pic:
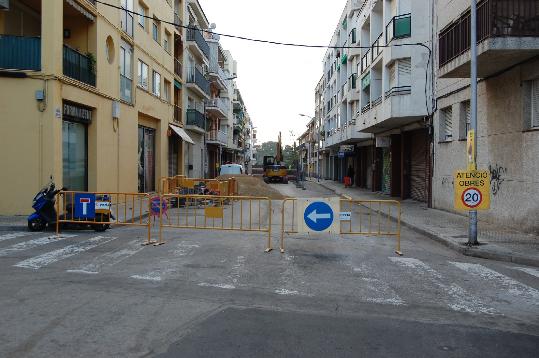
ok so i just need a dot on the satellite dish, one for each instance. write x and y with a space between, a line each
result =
213 26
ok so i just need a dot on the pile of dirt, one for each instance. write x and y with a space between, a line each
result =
253 186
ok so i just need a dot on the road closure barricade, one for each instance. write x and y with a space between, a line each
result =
181 184
215 212
356 217
99 210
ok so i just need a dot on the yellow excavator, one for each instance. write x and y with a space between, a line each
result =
274 170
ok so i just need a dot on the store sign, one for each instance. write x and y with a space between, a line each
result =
75 113
383 142
346 148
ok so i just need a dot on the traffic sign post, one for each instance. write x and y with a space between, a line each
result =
472 190
319 215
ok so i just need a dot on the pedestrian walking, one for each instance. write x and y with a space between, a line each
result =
348 180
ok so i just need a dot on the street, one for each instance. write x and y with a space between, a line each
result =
217 294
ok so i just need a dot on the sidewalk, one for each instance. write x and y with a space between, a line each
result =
451 229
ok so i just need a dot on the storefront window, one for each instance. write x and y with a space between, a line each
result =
74 155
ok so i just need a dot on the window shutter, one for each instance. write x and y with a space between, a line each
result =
405 72
392 76
535 104
467 117
447 124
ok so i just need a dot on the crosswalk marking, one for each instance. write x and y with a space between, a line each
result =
528 270
26 245
109 259
53 256
512 286
382 291
459 299
14 235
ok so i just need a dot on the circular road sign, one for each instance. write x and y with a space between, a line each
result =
472 197
318 216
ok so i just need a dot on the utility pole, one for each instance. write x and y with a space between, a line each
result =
472 232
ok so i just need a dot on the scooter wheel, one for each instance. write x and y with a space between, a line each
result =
101 227
36 224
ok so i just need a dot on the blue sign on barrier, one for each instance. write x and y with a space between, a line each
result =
318 216
84 206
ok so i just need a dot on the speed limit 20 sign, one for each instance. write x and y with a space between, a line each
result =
472 190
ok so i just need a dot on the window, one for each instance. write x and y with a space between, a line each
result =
535 104
143 75
166 42
166 91
465 121
156 31
127 17
446 124
142 19
126 71
392 75
156 84
404 68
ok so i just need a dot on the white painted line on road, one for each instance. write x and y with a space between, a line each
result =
528 270
26 245
457 298
284 291
218 285
237 269
48 258
14 235
109 259
513 287
151 276
384 294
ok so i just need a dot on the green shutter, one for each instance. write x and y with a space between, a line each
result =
403 27
344 58
366 81
177 84
344 24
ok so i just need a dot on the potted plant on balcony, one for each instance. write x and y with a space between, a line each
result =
91 62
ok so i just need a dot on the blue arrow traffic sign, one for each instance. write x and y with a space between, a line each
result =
318 216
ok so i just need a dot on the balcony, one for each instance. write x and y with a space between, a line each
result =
79 66
398 91
366 61
178 68
219 107
399 27
376 48
366 108
20 53
197 82
196 121
216 137
197 43
178 114
507 34
218 76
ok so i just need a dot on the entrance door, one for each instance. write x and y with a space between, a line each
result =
146 165
75 155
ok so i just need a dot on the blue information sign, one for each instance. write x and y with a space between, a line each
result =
84 206
318 216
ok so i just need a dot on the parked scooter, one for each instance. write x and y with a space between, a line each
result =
45 211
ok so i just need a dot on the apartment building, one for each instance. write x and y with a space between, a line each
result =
86 96
377 97
508 105
319 132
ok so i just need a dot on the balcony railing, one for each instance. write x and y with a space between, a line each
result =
366 108
20 53
219 103
79 66
177 67
396 91
352 81
195 76
495 18
178 114
399 27
215 135
376 101
377 47
365 61
215 68
196 36
195 118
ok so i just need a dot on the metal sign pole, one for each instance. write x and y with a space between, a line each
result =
472 234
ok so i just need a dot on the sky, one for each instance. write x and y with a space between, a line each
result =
277 83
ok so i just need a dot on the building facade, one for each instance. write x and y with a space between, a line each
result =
106 99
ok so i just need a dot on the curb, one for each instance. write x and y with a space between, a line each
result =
464 250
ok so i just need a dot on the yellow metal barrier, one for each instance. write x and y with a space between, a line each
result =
215 212
173 185
367 217
132 209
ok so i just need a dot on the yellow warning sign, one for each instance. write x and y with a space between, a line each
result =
472 189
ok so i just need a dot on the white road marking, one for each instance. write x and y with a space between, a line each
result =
235 273
109 259
26 245
528 270
457 298
383 293
14 235
284 291
218 285
152 276
513 287
48 258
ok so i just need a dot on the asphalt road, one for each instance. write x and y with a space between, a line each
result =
218 294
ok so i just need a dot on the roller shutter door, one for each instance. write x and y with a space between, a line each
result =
418 165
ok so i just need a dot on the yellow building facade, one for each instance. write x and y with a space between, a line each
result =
90 95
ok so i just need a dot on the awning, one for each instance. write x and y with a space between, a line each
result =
82 10
177 84
181 133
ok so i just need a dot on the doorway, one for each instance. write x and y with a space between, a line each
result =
146 159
